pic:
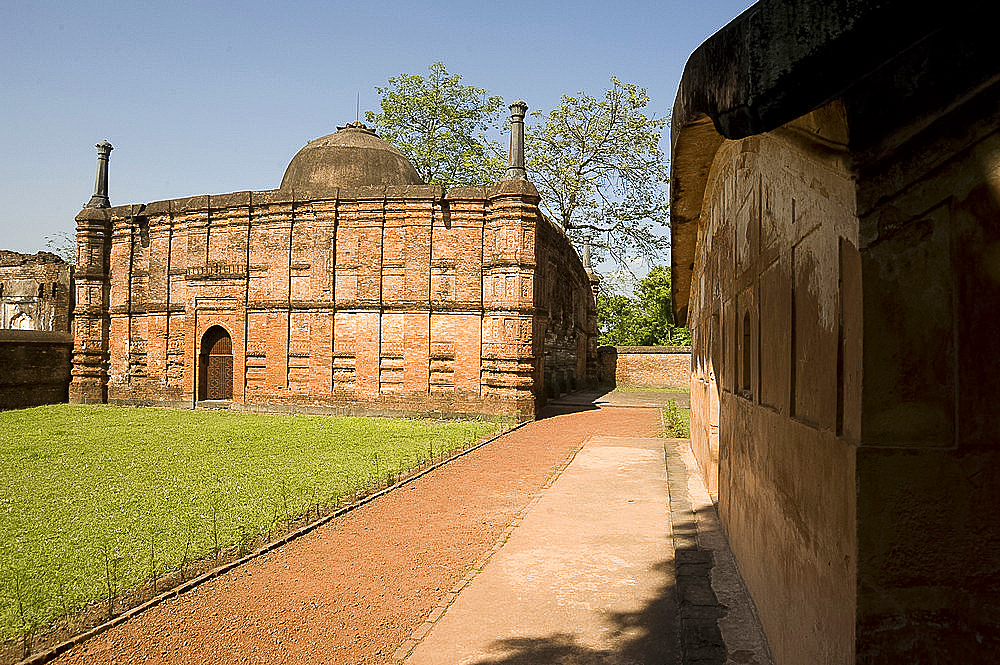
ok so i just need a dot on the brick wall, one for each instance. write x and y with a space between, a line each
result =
650 366
398 298
34 368
567 315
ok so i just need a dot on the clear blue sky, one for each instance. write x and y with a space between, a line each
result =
214 97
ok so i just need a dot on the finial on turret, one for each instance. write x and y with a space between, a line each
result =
515 170
100 198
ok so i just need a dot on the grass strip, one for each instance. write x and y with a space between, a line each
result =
96 499
676 422
628 388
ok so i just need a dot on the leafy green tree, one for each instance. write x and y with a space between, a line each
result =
63 245
619 321
596 161
442 126
598 165
647 319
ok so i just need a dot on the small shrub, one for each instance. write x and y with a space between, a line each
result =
676 422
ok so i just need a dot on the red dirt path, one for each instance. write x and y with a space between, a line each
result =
354 589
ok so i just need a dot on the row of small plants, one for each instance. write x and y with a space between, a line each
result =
98 500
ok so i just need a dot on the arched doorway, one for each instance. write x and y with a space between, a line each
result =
215 365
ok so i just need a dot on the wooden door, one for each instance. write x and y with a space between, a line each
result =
216 364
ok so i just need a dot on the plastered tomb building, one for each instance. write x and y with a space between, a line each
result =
836 253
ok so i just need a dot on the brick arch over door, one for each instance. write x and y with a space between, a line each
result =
215 365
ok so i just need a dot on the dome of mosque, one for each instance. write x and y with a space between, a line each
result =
351 157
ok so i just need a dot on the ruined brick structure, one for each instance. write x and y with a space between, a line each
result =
353 286
836 253
35 292
35 345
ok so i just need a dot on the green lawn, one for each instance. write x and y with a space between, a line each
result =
98 498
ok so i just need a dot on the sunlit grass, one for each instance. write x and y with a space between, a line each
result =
97 499
627 388
676 422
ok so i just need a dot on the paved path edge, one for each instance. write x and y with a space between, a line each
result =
717 619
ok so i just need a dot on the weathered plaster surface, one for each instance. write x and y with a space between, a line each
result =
929 537
34 292
768 315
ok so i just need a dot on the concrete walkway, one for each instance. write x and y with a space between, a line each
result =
606 566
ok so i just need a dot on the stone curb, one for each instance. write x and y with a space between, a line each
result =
52 652
717 620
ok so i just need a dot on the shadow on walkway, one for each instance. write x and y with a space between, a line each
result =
621 561
646 637
680 626
614 564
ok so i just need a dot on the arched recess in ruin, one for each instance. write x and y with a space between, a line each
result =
215 365
22 321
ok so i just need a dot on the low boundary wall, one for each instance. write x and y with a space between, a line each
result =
34 368
648 366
